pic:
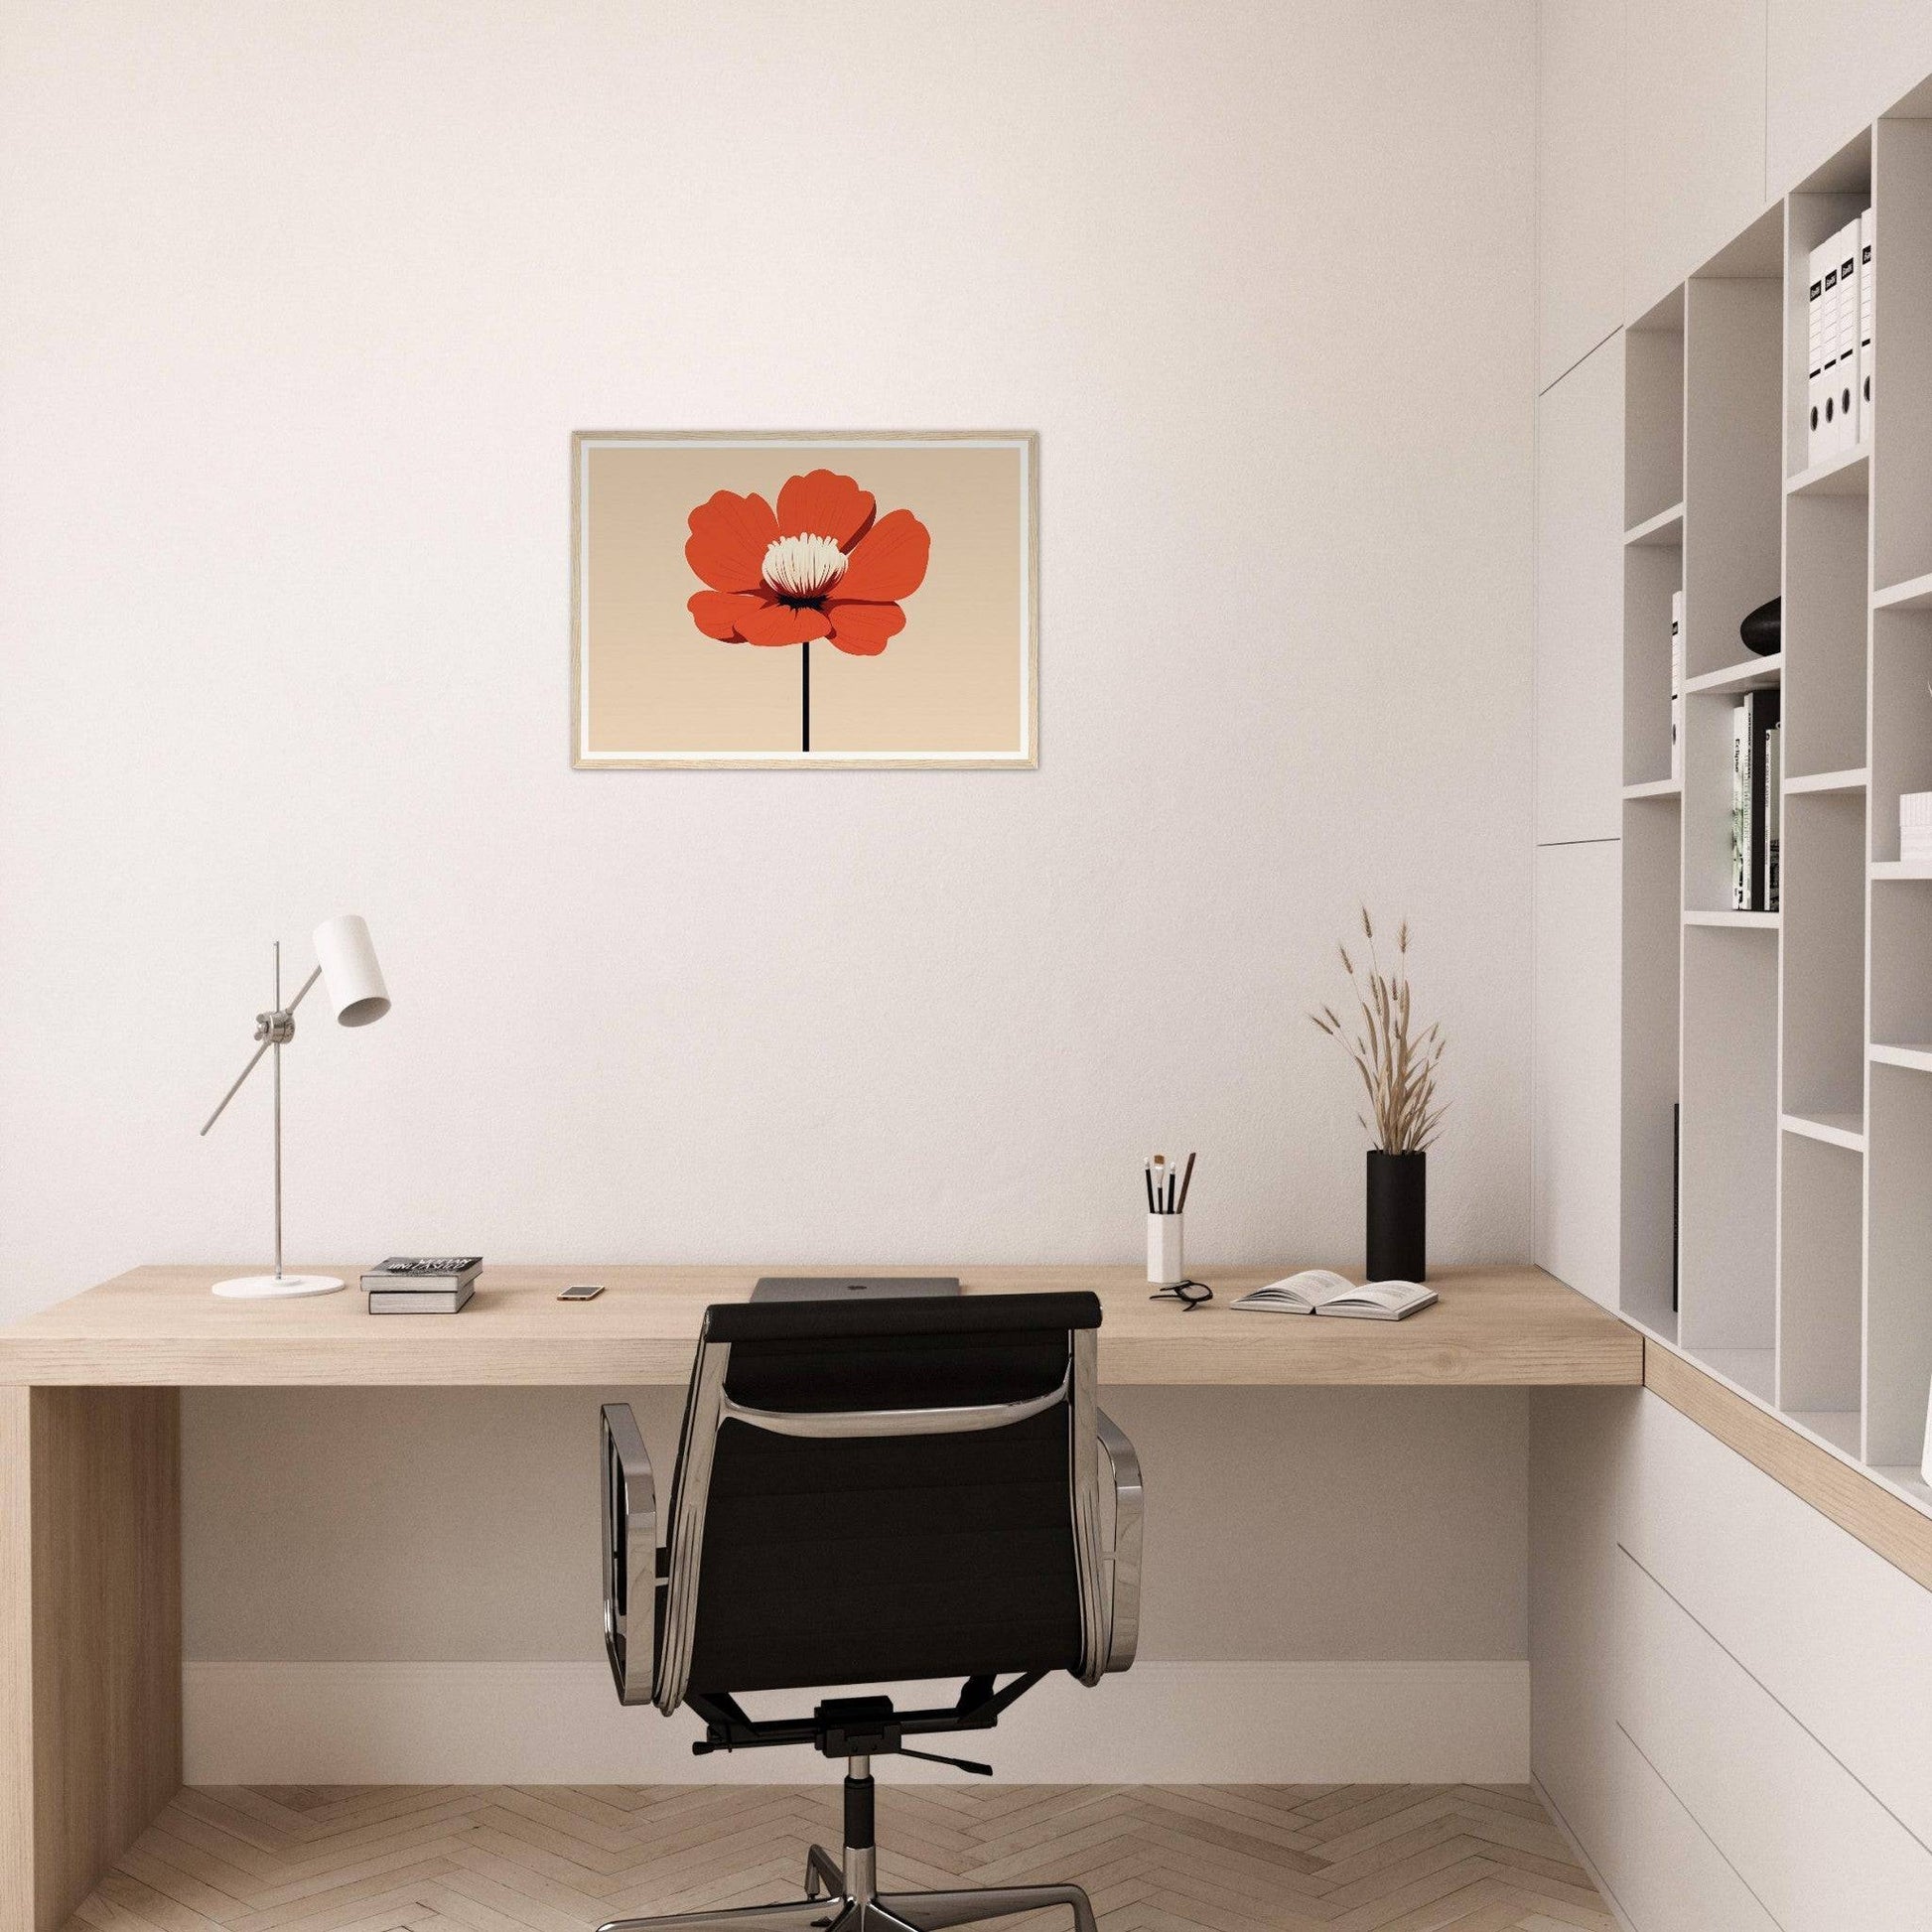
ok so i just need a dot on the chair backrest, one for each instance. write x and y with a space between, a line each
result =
887 1490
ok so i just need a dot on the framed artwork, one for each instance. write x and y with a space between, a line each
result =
804 600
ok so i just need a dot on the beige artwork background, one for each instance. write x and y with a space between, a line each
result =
951 684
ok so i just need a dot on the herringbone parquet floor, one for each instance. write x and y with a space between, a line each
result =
559 1858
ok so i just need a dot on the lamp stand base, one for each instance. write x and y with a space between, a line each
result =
270 1288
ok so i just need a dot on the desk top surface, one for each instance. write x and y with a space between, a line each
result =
160 1327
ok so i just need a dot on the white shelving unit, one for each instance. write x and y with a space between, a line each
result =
1778 1230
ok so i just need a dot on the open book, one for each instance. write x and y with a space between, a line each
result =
1320 1291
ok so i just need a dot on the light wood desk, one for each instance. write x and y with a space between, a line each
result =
89 1463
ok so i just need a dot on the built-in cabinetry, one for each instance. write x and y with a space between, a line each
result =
1732 1686
1730 1758
1797 1042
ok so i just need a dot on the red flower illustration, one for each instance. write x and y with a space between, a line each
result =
819 566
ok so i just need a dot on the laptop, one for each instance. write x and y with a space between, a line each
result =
840 1288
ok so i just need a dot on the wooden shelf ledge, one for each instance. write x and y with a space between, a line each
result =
1855 1498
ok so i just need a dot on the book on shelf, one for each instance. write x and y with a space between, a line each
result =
420 1301
1915 827
1832 330
1677 685
1740 810
1815 354
423 1273
1752 815
1846 392
1675 1193
1867 305
1320 1291
1773 807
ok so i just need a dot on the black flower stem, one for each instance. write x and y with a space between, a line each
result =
805 718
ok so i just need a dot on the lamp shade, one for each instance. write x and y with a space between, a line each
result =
349 975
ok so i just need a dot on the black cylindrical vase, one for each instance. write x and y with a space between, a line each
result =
1398 1217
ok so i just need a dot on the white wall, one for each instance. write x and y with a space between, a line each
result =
399 1586
303 305
1284 1524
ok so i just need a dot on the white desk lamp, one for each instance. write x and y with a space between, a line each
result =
352 983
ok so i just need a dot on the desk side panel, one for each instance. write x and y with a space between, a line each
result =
104 1545
16 1664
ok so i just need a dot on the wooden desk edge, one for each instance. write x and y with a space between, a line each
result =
509 1364
1556 1338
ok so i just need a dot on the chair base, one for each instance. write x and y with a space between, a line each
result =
851 1906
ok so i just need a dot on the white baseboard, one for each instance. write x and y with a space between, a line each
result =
1160 1724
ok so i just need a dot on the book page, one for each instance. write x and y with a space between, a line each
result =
1381 1295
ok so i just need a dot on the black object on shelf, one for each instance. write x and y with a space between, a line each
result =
1676 1191
1398 1217
1762 632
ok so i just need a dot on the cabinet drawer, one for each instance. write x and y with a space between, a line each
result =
1810 1842
1666 1874
1834 1633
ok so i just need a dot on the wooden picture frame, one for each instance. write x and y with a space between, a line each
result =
804 600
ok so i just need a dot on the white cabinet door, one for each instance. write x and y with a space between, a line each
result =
1664 1871
1576 1099
1579 181
1580 602
1692 136
1834 66
1818 1850
1780 1586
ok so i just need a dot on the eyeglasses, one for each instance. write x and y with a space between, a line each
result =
1190 1294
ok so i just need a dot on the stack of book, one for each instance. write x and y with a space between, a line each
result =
1915 828
1839 336
1754 802
421 1284
1677 686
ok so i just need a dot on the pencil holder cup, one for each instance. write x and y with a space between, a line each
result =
1164 1265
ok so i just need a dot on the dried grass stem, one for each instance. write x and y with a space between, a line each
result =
1397 1063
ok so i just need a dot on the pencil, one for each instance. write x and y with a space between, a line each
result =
1187 1182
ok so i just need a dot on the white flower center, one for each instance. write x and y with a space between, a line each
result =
803 566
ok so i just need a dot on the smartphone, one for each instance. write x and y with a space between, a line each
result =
582 1292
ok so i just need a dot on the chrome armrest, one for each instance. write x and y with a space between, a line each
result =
1121 1559
630 1554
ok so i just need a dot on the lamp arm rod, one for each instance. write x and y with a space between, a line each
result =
255 1060
315 973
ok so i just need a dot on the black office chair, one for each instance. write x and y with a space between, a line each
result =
868 1493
